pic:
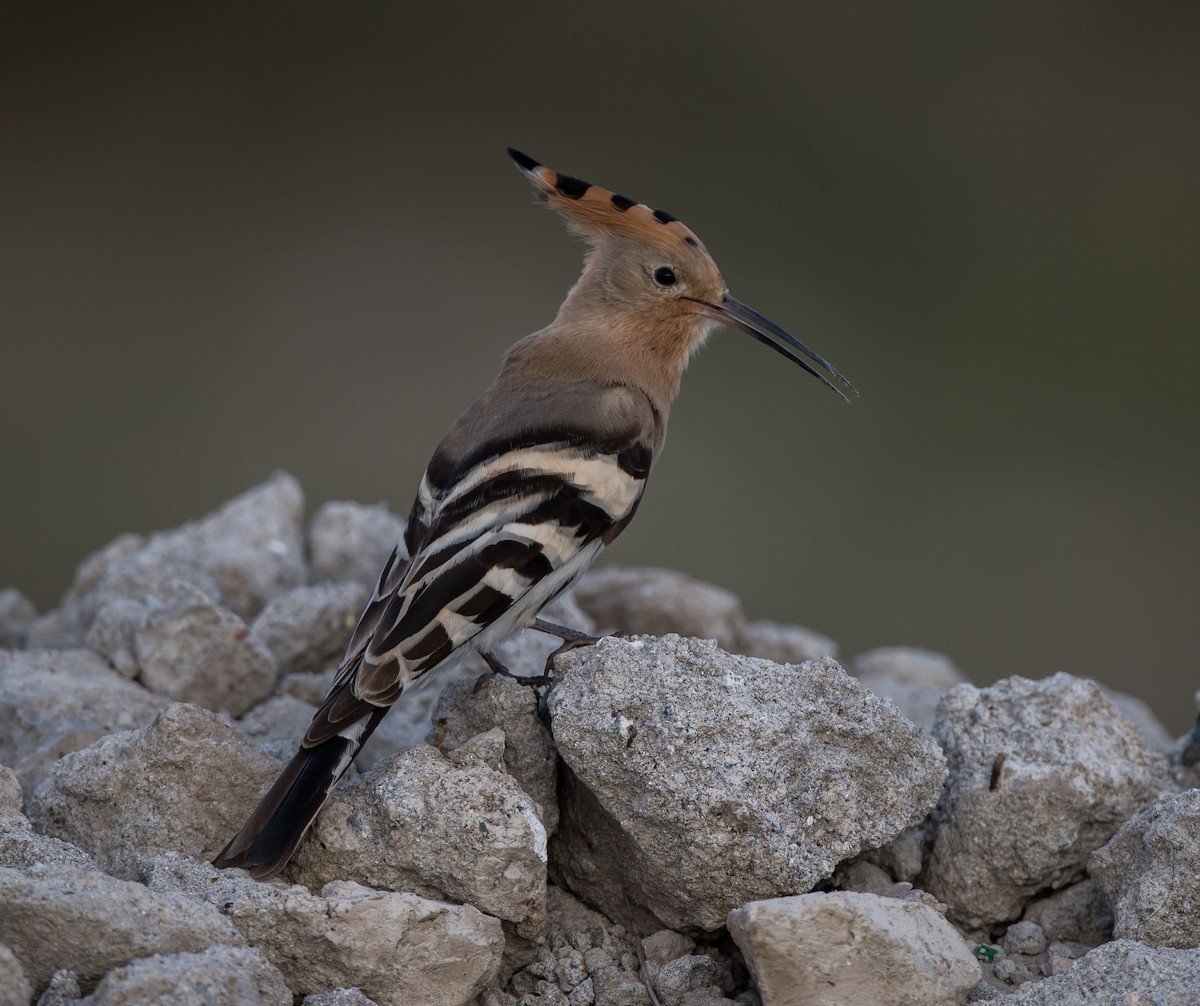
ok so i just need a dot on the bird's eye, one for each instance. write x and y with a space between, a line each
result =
664 276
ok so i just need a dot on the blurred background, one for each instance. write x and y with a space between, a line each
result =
267 236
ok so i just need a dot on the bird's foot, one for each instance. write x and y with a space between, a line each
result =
531 680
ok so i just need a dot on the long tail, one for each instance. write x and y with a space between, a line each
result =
273 831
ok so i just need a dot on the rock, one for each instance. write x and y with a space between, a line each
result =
339 997
62 989
1121 973
20 845
15 989
60 917
1153 733
185 783
469 708
280 718
817 949
656 602
790 769
1025 937
1149 871
350 543
55 702
914 679
1041 774
17 615
677 978
666 945
307 628
194 650
237 558
422 823
784 644
218 976
1077 914
397 948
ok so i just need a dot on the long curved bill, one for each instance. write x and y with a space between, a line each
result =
737 315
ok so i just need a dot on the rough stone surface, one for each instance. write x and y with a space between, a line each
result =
469 708
1150 871
20 845
790 769
237 557
49 909
194 650
186 783
397 948
339 997
1154 734
784 644
914 679
350 543
658 601
850 949
62 989
280 718
1042 773
15 989
1076 914
307 628
17 615
1121 973
53 702
449 828
218 976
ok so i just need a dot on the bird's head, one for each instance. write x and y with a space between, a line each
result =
647 274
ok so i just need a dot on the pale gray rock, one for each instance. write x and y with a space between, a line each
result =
1025 937
469 708
903 857
914 679
60 917
17 615
15 989
184 783
847 948
194 650
1042 773
53 702
1121 973
658 601
66 626
397 948
784 644
453 828
678 980
350 542
62 989
791 769
237 558
20 845
307 628
217 976
1149 872
280 718
339 997
1076 914
1154 734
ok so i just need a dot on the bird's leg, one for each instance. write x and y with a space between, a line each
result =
497 666
577 637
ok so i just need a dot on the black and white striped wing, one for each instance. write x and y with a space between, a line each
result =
503 539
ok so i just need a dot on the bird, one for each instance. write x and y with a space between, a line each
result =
530 484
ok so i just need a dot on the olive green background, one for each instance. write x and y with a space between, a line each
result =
259 236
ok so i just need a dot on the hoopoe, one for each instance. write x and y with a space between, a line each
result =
529 485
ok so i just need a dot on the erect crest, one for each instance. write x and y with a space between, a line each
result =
596 213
